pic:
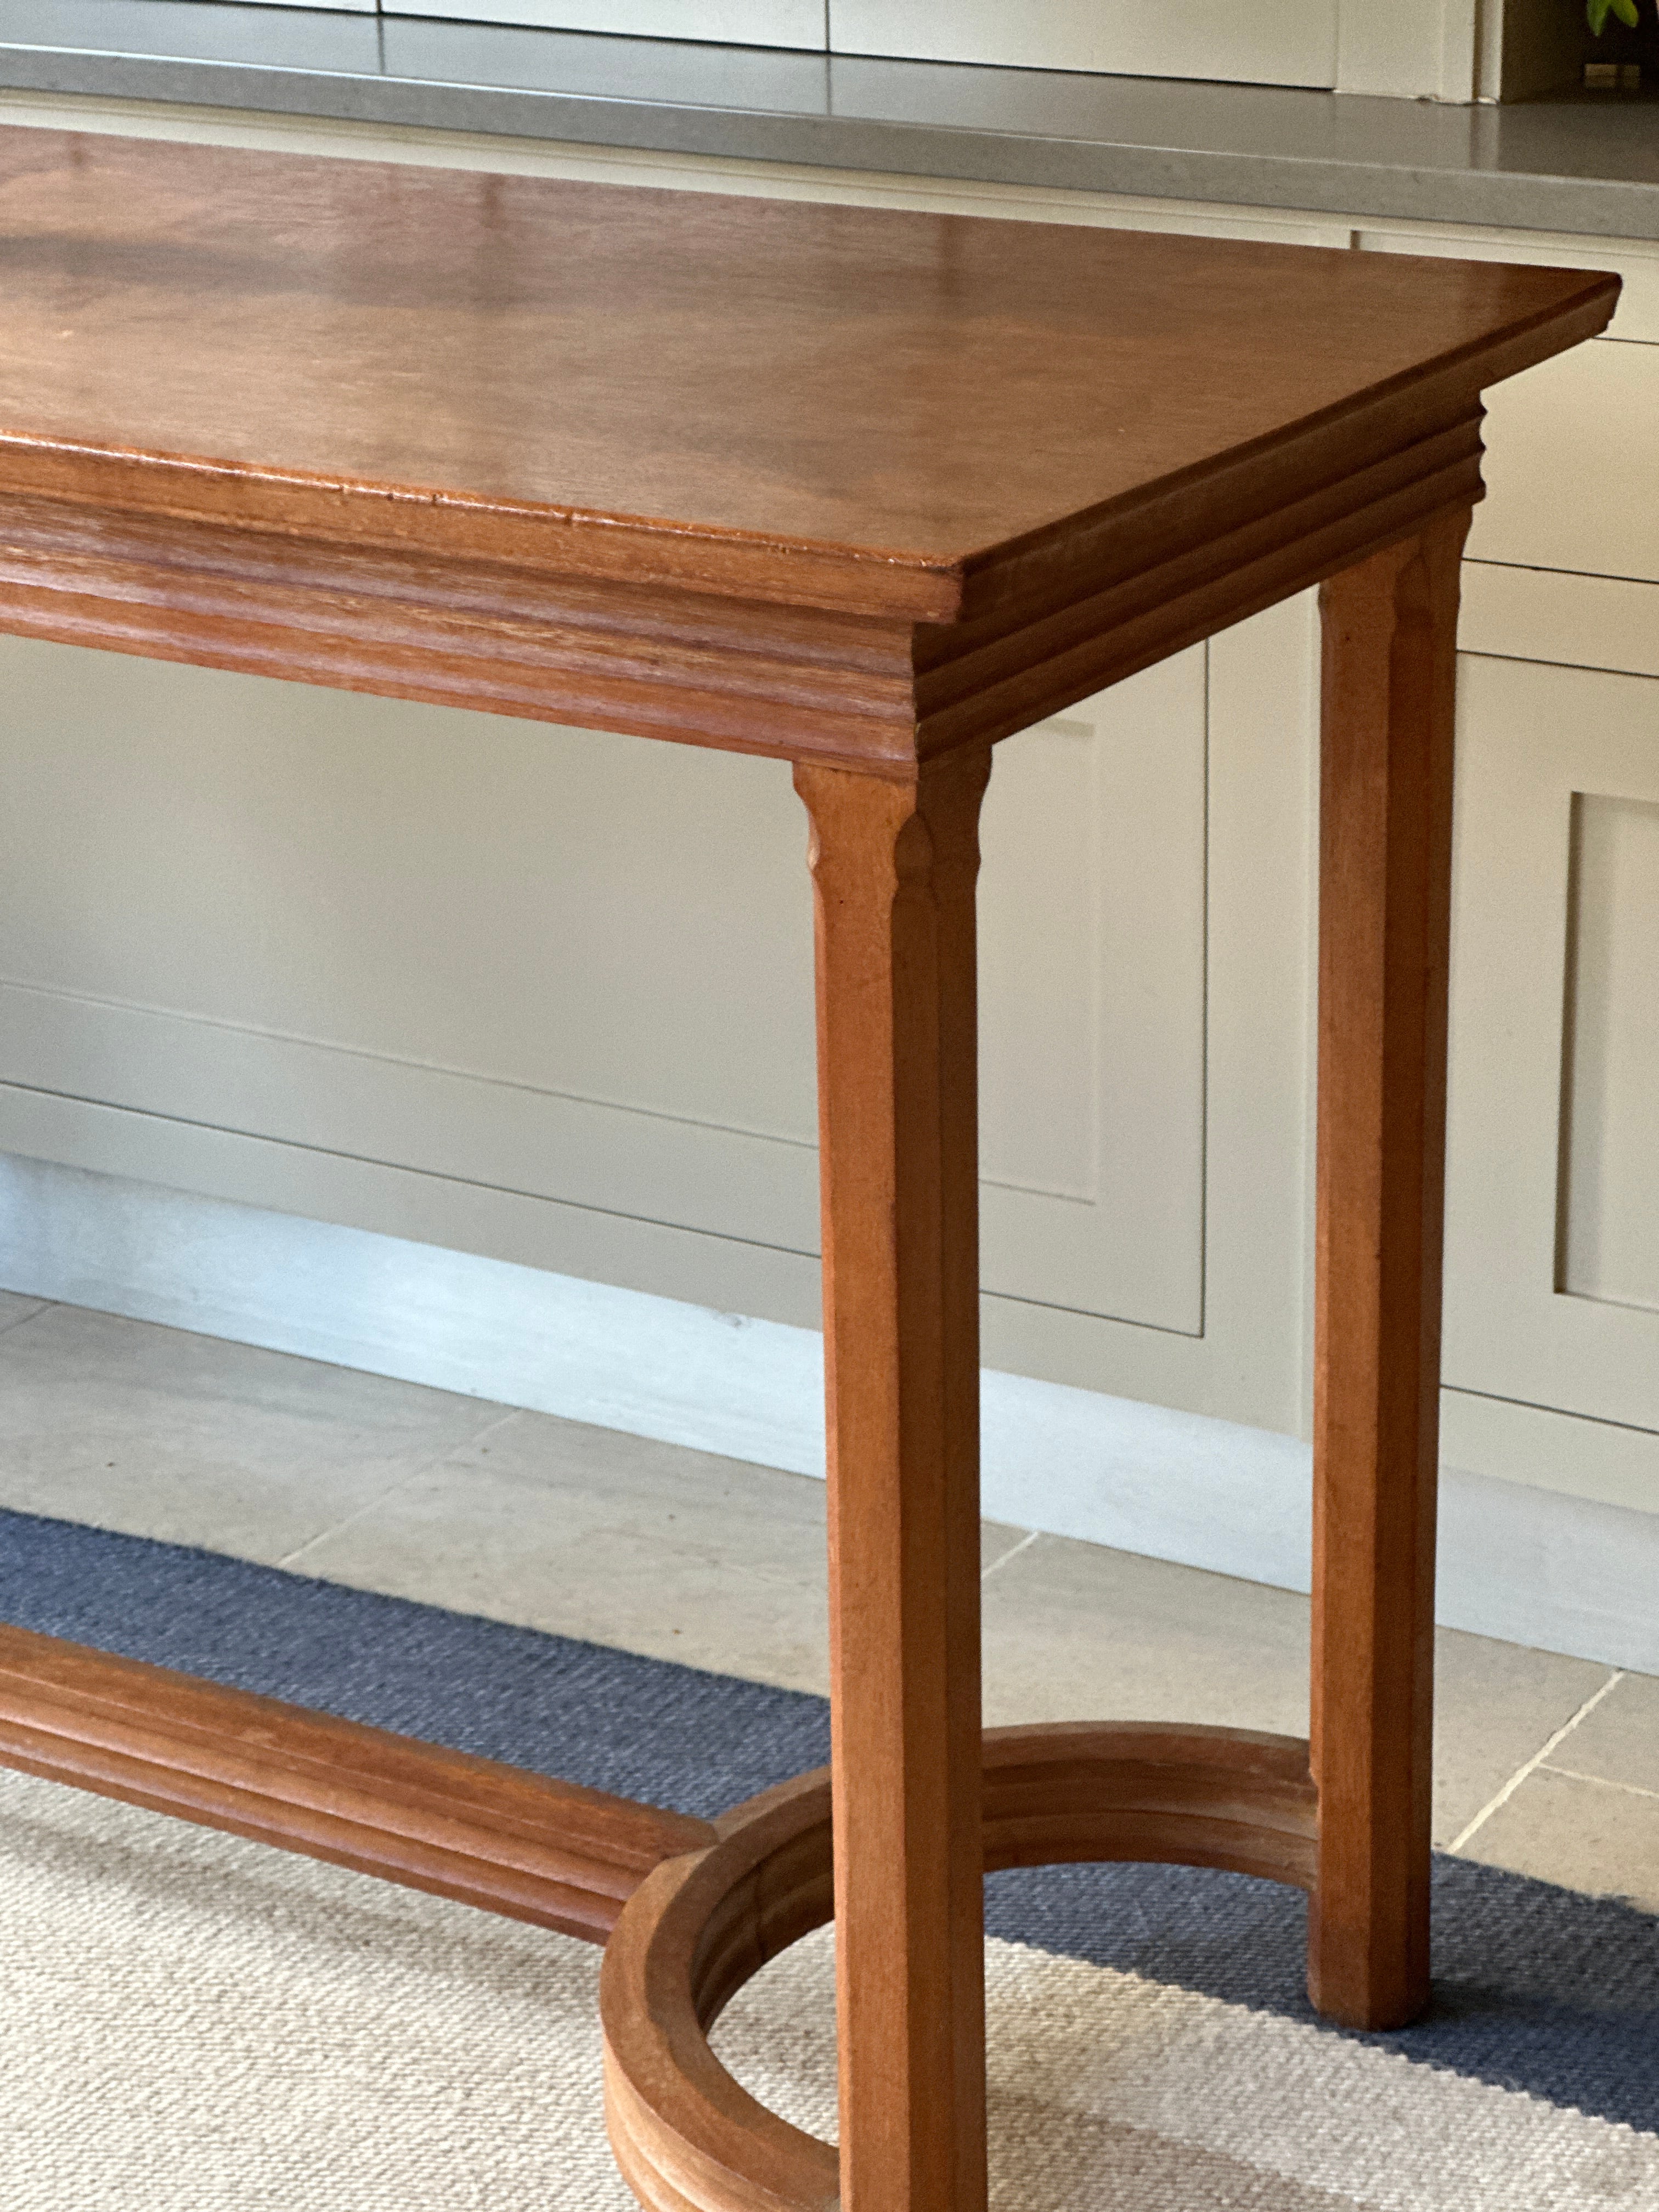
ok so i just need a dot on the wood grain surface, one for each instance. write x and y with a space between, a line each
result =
1390 642
348 343
521 444
689 2137
894 868
494 1836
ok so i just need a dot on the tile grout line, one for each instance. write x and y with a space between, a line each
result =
1606 1782
22 1320
413 1475
1536 1761
1012 1553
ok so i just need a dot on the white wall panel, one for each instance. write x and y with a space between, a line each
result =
1251 41
1417 49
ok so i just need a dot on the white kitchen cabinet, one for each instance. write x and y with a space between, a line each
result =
412 968
1552 1229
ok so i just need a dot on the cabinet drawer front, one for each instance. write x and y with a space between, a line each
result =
720 22
1636 261
1572 465
1576 622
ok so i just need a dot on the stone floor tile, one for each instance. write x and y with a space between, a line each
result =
650 1547
1074 1631
158 1433
1496 1706
1619 1741
583 1531
14 1308
587 1532
1588 1836
997 1543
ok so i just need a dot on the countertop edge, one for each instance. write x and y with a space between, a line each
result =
1607 207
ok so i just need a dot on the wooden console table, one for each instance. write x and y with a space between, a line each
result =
867 491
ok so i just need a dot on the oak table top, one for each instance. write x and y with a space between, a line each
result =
564 442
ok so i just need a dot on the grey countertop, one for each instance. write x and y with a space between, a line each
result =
1587 165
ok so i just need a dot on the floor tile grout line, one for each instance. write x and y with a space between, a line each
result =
22 1320
1536 1761
1012 1553
1606 1782
410 1475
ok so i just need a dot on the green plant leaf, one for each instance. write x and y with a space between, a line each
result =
1597 11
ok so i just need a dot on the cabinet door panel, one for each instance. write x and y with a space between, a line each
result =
1609 1178
1553 1208
577 967
1246 41
1093 991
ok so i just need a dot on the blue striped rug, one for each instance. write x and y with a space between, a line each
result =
1544 1996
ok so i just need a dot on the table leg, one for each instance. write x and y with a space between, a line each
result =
894 865
1385 876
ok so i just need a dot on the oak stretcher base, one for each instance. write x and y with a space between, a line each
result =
688 1909
498 1837
687 2136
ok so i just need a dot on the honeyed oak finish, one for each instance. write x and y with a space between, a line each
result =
516 1843
687 2135
867 491
1390 644
894 866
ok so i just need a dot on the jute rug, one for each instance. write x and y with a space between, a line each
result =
187 2020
